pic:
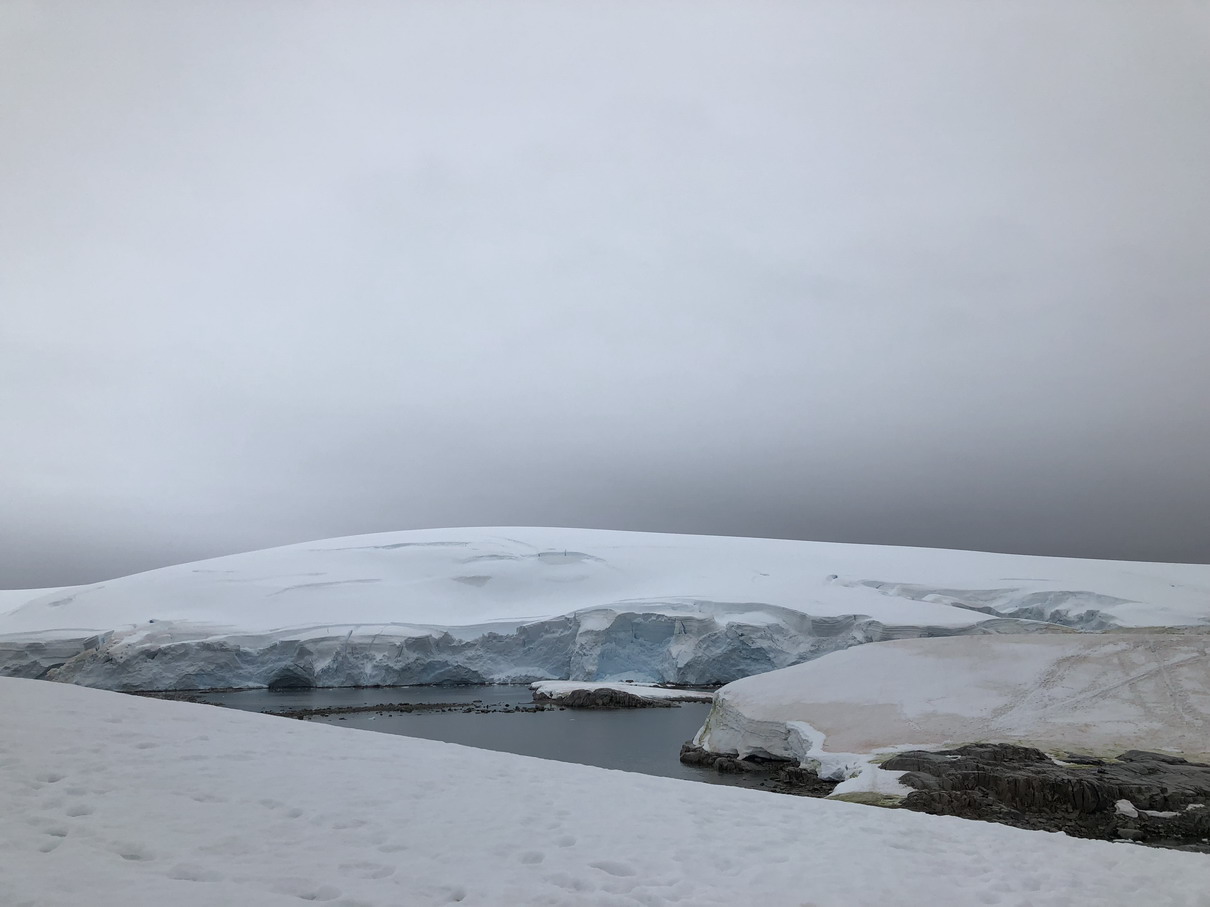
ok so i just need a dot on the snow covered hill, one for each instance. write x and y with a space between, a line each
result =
1094 694
523 604
113 801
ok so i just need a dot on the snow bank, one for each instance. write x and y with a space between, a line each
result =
113 800
1092 694
477 605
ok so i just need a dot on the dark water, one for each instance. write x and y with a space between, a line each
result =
632 740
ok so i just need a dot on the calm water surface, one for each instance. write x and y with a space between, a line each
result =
632 740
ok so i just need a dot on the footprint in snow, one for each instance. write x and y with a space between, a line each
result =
367 870
613 867
205 797
135 853
189 872
308 891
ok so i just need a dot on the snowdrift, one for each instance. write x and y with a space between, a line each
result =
515 604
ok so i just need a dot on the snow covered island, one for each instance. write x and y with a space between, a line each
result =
587 695
524 604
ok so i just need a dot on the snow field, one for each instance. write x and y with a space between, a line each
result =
484 577
115 800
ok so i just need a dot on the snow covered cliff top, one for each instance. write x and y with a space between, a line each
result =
1097 694
498 578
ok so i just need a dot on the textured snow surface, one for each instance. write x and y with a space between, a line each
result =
560 689
1091 693
531 604
116 800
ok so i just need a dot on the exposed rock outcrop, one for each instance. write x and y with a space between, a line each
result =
1151 798
579 694
778 775
605 698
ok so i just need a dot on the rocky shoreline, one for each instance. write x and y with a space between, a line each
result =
1142 797
781 776
590 695
388 708
1149 798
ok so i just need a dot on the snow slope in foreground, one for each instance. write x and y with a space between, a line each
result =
533 604
118 800
1093 694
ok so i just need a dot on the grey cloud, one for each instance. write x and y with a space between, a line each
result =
930 274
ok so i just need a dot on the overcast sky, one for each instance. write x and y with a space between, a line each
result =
929 273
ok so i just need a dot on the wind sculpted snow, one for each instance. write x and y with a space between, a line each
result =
117 800
1091 694
518 604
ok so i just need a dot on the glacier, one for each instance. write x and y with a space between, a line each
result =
528 604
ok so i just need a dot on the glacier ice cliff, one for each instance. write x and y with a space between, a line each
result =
593 645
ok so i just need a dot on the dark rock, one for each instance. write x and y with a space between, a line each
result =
695 755
1144 756
782 775
604 698
1021 786
794 779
